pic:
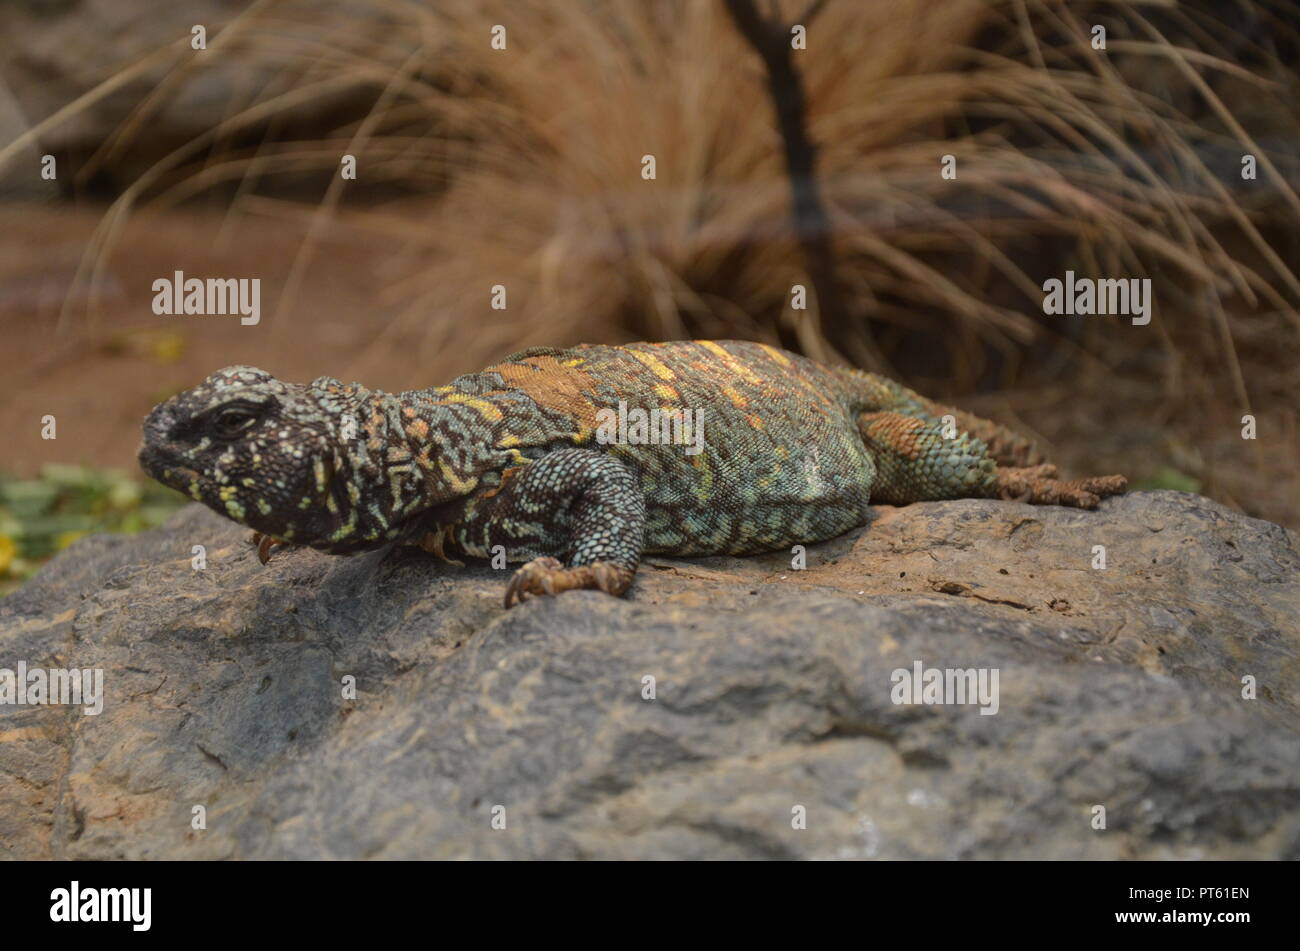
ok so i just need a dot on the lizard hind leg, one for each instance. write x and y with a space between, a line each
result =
918 460
1007 447
875 395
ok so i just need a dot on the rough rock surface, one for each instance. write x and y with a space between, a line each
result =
1119 688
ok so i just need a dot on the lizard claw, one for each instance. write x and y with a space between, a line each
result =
1035 485
547 576
536 577
266 545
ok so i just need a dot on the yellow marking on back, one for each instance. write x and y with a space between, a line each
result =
733 364
487 410
775 354
657 366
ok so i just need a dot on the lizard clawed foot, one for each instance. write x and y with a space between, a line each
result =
548 576
266 545
1039 486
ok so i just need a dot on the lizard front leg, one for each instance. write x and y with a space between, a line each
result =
576 516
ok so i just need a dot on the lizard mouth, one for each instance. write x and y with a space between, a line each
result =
158 457
163 467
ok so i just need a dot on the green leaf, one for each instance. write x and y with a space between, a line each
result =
1167 477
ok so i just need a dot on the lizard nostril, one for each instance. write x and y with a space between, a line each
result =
156 431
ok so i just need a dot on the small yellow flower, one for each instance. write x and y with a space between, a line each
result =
167 347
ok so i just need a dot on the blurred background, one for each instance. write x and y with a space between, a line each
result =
522 166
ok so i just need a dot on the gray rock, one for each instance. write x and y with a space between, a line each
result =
1119 688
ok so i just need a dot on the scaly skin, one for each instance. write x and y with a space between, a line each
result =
792 452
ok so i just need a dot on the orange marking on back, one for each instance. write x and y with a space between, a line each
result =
554 384
737 398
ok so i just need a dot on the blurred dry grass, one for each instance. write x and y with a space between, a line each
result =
525 163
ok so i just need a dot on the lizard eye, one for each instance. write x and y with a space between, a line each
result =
233 422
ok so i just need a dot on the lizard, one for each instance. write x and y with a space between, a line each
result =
535 454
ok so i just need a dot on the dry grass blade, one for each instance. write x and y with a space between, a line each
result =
527 163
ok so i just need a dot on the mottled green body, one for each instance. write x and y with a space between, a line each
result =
749 449
780 460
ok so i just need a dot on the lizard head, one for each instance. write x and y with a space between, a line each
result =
267 454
